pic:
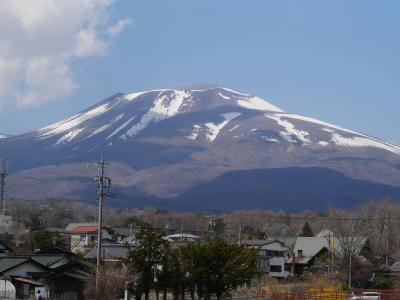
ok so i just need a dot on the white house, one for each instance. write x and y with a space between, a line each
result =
84 237
271 257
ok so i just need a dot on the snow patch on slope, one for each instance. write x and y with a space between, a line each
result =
270 139
195 132
121 127
164 107
318 122
214 129
290 130
106 126
323 143
234 127
223 96
73 122
69 136
359 141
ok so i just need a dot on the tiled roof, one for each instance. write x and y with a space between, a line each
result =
83 229
71 226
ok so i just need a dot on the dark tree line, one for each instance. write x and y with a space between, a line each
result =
211 268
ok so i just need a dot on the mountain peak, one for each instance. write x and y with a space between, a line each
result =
164 142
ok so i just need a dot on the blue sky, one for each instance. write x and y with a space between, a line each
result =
337 61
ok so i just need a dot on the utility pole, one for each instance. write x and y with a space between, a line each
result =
104 184
240 235
351 250
212 225
4 165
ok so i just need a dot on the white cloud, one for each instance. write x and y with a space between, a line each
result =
117 28
39 41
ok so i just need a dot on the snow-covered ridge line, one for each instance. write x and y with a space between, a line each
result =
73 122
358 140
133 96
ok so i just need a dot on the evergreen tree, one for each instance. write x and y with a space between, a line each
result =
307 230
145 261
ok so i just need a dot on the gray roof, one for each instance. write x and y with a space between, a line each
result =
110 251
311 246
122 230
255 242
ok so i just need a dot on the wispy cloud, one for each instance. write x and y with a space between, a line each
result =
120 26
39 41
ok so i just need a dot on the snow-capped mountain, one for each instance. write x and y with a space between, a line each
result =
169 144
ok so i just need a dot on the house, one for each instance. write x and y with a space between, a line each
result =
24 273
271 257
120 233
30 272
84 237
68 281
313 253
310 254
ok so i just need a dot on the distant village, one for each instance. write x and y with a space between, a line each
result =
268 252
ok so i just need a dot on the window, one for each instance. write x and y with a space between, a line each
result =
93 238
275 269
299 252
82 238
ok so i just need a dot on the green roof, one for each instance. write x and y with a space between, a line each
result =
8 263
46 260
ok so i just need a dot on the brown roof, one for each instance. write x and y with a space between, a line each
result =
84 229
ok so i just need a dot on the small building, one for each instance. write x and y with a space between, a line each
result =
271 257
68 281
310 254
43 271
84 237
119 233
